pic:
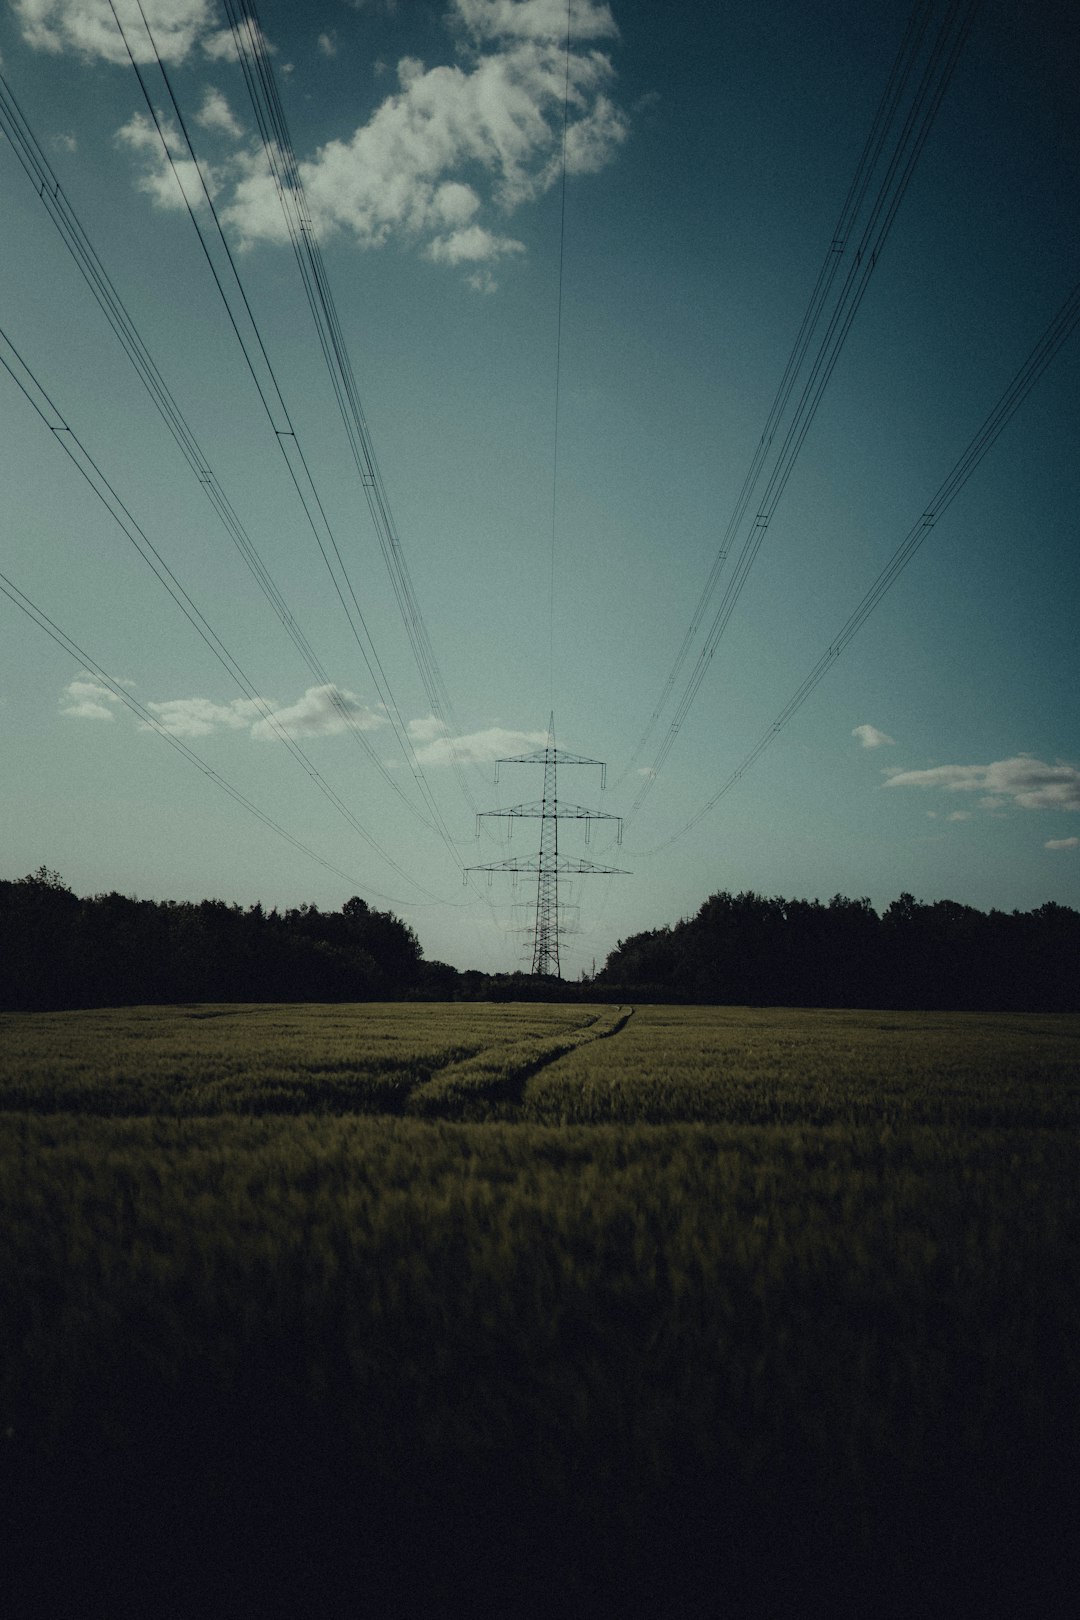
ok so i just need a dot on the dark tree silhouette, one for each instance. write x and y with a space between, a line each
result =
59 951
750 950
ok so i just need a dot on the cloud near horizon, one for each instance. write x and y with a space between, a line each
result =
323 711
441 163
1023 780
433 745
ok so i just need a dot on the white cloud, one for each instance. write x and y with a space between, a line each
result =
1023 780
86 699
158 179
960 815
199 717
426 730
472 245
479 135
479 747
323 711
871 737
535 19
453 140
215 113
220 45
65 143
1062 843
89 28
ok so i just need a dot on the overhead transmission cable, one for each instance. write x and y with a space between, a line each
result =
902 68
153 723
254 58
246 329
1048 345
906 150
36 166
558 363
250 44
76 452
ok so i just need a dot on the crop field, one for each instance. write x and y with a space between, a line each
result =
524 1310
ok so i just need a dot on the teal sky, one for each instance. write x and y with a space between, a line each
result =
710 149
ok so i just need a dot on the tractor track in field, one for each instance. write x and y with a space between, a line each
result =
491 1084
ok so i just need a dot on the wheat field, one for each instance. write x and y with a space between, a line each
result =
556 1310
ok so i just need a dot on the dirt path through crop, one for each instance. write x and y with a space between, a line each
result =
490 1085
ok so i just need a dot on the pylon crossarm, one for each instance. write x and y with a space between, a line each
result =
512 865
531 863
583 868
567 812
551 756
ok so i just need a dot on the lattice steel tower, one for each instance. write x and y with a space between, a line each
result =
546 864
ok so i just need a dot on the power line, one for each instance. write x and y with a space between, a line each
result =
906 150
76 452
1042 354
151 721
558 364
242 320
38 171
254 59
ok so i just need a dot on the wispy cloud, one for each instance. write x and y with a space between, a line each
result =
871 737
199 717
86 699
327 43
323 711
472 244
158 177
89 28
432 744
1062 843
216 114
426 730
1023 781
534 19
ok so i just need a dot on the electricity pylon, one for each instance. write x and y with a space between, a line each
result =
546 864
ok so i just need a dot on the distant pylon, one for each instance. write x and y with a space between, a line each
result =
546 864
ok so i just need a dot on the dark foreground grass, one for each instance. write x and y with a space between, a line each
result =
377 1366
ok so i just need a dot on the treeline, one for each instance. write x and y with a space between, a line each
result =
57 950
749 950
